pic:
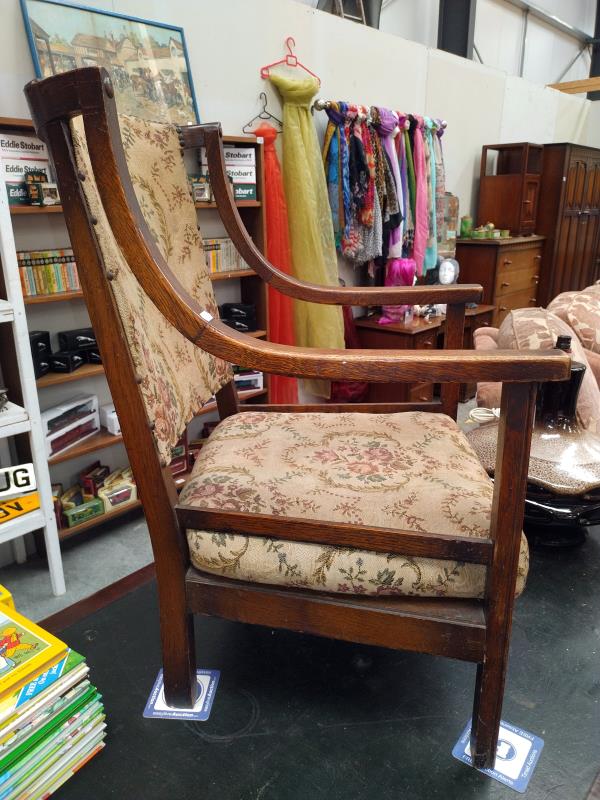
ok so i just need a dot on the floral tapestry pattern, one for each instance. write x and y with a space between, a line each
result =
412 471
177 378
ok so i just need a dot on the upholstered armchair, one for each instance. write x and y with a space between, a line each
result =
373 523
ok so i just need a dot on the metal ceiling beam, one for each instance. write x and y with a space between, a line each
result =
456 26
552 20
595 63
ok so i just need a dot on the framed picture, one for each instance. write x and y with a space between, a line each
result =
147 61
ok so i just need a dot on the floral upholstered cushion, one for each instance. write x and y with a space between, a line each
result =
177 377
412 471
581 310
538 329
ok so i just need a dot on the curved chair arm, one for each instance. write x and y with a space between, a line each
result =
89 91
210 136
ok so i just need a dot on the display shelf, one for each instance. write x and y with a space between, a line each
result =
18 210
66 533
54 378
239 204
13 420
52 298
234 273
6 311
99 441
19 526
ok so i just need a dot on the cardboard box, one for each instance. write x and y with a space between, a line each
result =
244 191
109 419
69 423
233 155
78 514
22 145
240 173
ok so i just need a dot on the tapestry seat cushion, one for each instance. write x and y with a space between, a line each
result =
413 470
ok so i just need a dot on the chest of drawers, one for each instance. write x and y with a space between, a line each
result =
417 335
508 269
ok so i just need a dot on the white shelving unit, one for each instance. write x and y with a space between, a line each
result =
15 420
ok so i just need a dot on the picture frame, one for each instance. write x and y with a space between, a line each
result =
148 61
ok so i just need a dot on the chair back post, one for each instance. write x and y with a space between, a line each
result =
155 484
454 331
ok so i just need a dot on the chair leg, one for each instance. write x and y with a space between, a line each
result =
487 710
179 659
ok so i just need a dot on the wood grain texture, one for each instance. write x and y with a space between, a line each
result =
514 438
347 408
361 537
442 627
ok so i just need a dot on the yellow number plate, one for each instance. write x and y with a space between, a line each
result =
10 509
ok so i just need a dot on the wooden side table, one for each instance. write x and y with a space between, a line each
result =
418 335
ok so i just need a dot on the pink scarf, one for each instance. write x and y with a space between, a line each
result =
421 210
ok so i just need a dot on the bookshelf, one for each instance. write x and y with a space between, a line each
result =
56 312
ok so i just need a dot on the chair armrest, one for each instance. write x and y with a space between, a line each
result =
378 366
210 136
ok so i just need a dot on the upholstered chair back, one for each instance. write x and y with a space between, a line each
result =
176 378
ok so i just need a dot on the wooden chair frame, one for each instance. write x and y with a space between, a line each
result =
476 631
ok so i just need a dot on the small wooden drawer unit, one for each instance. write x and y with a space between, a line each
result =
508 269
418 335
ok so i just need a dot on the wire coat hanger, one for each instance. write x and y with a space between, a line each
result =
262 114
290 59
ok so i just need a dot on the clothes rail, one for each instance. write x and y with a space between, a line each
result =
365 112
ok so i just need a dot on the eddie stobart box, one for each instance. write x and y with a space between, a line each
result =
22 156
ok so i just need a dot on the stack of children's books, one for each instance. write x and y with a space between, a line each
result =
51 717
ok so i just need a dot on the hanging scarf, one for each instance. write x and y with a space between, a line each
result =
367 213
430 261
421 211
281 327
309 215
387 126
332 158
440 175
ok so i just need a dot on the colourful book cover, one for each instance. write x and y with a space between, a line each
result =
38 759
47 785
38 687
48 699
29 788
40 727
53 784
31 279
25 650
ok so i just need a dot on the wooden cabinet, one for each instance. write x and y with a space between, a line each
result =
569 218
509 186
417 335
508 269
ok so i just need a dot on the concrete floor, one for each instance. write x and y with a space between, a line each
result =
91 561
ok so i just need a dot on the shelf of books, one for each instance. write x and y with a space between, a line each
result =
52 718
52 298
48 277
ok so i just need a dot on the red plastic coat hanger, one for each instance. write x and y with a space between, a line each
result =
290 59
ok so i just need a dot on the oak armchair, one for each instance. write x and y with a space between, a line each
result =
371 523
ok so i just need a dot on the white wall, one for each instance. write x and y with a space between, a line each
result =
229 41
